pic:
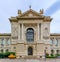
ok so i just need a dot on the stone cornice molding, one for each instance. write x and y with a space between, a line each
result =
5 34
13 19
47 18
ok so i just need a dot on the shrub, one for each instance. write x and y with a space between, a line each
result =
1 55
13 53
6 54
51 56
58 54
47 54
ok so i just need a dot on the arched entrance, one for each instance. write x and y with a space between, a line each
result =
30 51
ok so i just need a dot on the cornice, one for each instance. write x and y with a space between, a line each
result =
13 19
55 34
5 34
9 34
47 18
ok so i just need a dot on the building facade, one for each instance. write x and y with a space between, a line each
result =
30 36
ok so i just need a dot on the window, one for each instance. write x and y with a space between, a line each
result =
2 42
57 51
7 50
51 41
30 35
56 42
30 51
14 47
1 50
52 52
7 41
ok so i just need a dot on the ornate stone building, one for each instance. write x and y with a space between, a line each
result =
30 36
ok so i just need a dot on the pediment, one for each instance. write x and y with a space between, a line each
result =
30 13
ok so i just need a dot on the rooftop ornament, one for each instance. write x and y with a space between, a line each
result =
30 7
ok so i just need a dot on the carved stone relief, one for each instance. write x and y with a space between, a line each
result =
14 30
45 33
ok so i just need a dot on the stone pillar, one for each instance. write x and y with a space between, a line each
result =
38 31
41 31
5 40
4 50
22 32
18 32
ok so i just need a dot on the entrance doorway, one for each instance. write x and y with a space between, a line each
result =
30 51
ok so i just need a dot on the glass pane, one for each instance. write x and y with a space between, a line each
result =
51 41
30 34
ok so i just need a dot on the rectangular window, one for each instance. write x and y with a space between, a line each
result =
7 41
51 41
2 42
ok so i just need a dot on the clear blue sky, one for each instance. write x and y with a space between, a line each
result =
9 8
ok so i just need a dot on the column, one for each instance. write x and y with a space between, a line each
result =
22 31
4 42
41 31
18 32
38 31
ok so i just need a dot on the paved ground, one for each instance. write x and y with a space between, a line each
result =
29 60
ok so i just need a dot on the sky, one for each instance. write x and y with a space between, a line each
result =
10 8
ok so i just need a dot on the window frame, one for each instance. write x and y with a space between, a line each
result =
30 34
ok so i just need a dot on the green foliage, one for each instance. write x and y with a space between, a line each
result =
47 54
6 54
58 54
51 56
1 55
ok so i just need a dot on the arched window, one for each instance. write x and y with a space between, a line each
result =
1 50
30 34
57 51
52 52
56 42
7 50
7 41
2 42
51 42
